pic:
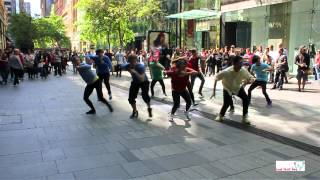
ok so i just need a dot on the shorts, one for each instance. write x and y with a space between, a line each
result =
302 75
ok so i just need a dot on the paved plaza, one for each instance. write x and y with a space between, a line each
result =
46 135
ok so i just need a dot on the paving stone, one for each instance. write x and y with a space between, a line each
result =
146 142
82 163
114 147
29 171
137 169
276 153
16 145
20 159
130 157
53 154
66 176
108 172
93 140
90 150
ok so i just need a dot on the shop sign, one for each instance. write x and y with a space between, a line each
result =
202 26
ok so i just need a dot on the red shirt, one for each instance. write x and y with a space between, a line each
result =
318 60
194 63
178 83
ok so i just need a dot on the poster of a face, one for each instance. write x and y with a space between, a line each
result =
158 39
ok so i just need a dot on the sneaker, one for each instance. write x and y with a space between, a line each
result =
134 114
186 113
171 118
92 111
219 118
150 112
231 110
245 120
269 104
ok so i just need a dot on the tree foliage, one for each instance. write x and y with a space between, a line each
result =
45 32
21 30
114 20
50 31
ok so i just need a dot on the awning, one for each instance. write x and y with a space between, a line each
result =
194 14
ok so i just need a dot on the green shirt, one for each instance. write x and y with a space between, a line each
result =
156 71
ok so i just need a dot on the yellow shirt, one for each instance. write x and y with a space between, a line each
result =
232 80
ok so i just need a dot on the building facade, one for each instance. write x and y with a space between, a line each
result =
27 8
250 23
3 25
66 9
46 6
10 6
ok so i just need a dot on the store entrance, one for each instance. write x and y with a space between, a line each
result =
238 33
205 40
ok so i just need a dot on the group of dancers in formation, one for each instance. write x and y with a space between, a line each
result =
234 79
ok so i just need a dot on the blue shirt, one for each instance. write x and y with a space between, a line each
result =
87 74
261 75
103 64
140 69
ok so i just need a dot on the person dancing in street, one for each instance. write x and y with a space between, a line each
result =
179 81
232 79
156 71
139 80
261 71
93 82
103 67
194 64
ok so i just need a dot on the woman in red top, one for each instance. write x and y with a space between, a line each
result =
179 81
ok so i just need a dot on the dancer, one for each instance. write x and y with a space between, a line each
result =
194 64
261 71
156 71
232 79
93 82
139 80
103 66
179 81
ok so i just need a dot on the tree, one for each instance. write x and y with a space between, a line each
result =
50 31
21 30
113 20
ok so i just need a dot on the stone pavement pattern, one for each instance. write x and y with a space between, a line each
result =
294 114
45 135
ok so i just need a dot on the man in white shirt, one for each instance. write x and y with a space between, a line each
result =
120 60
233 80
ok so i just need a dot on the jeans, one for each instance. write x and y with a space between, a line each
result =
176 100
278 82
200 76
317 75
118 70
191 93
263 85
57 68
88 91
153 82
134 90
105 78
17 74
4 72
227 101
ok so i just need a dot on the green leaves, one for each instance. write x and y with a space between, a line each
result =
43 32
113 21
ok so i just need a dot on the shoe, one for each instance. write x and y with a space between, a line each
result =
245 120
186 113
92 111
231 110
134 114
280 88
269 104
165 94
110 97
274 87
171 118
150 112
219 118
200 93
194 104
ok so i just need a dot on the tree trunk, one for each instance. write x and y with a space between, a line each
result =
120 36
108 40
